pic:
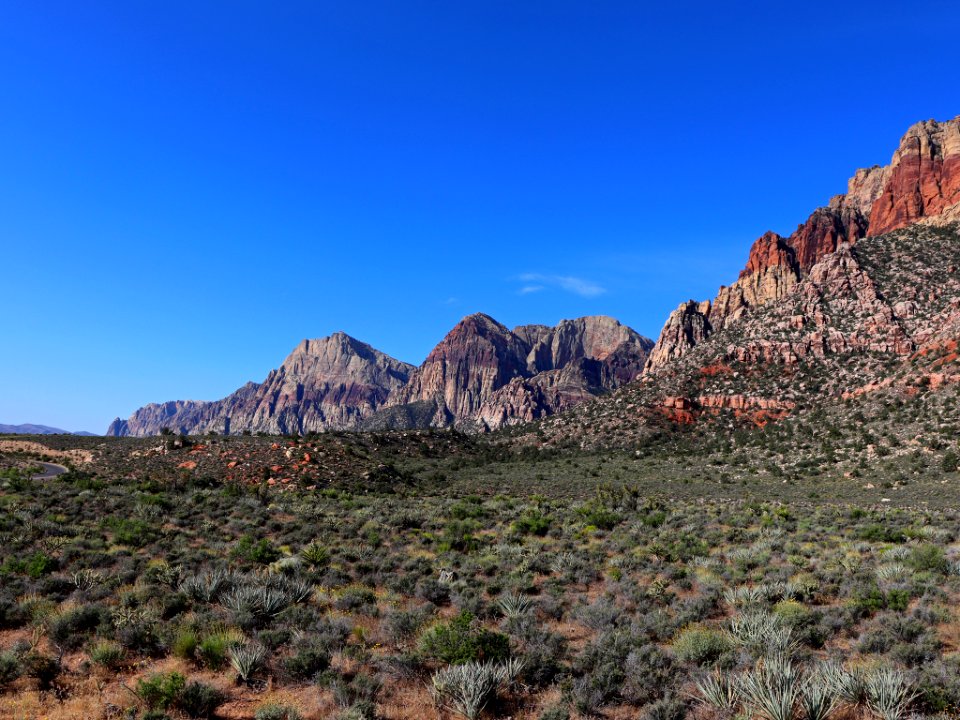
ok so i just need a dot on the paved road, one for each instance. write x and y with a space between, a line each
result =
50 470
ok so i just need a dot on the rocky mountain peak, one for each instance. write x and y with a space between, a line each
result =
922 182
923 178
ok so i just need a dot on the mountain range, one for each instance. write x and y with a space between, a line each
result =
845 304
481 376
31 429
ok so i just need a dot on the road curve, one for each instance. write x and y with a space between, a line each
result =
50 470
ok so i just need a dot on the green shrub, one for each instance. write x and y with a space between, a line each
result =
213 650
40 564
881 533
161 691
70 630
275 711
928 558
261 552
185 644
701 645
462 640
198 700
10 668
107 654
128 531
532 522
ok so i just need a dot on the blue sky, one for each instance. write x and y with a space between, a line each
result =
189 189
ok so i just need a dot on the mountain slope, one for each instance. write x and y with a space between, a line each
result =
467 381
333 382
31 429
869 328
922 182
483 376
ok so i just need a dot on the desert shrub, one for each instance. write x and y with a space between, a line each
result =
40 564
433 591
160 691
11 614
10 668
401 625
555 712
260 552
274 711
357 598
532 522
950 462
665 709
198 700
463 640
881 533
648 673
71 629
928 558
213 649
185 644
128 531
107 654
459 535
42 668
307 660
701 645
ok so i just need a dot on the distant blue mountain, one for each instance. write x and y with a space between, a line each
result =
30 429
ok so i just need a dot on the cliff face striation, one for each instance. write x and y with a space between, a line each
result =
922 182
331 383
484 376
339 383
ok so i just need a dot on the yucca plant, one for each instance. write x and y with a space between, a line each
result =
849 686
891 572
247 660
719 691
316 555
466 689
744 596
763 634
817 699
207 586
772 689
889 693
514 605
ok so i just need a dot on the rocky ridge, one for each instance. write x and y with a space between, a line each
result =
879 318
922 182
481 376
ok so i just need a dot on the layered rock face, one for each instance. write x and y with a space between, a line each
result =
481 376
923 178
332 383
922 182
475 358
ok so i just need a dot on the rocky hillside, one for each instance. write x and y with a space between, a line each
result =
484 376
921 183
862 352
481 376
330 383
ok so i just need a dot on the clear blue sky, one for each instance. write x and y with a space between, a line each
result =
187 189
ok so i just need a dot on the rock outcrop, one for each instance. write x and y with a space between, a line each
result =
922 182
481 376
331 383
923 178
